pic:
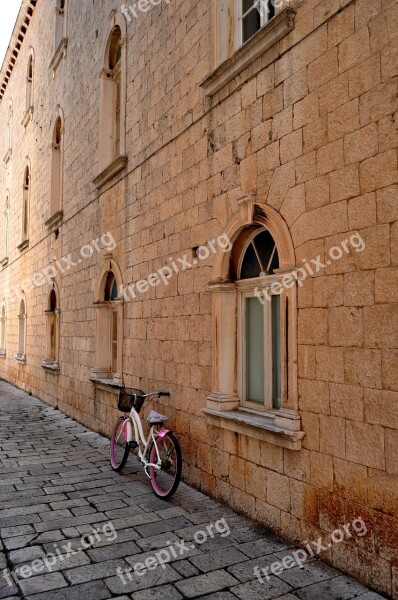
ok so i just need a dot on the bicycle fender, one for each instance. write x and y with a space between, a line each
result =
163 433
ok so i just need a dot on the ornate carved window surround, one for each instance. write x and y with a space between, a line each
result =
280 426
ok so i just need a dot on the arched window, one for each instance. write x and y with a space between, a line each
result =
254 323
9 133
59 33
57 168
6 229
52 314
113 102
22 319
25 207
3 320
109 325
260 323
29 90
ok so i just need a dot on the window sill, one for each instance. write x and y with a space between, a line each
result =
55 220
27 117
51 367
59 54
4 262
108 385
111 170
23 245
21 358
3 354
8 155
255 426
262 41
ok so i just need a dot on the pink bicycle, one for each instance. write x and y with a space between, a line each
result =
160 452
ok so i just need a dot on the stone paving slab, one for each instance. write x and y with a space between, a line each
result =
56 485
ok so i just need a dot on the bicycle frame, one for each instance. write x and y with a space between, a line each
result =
143 443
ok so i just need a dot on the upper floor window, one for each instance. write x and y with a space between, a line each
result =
9 133
3 321
22 320
112 146
252 15
56 168
25 207
29 90
6 214
60 34
242 35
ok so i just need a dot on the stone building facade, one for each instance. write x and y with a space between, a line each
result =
260 148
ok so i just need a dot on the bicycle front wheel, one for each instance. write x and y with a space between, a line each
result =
166 479
120 448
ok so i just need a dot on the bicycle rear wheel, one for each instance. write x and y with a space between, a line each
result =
119 450
166 479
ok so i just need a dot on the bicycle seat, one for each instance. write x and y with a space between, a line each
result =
153 418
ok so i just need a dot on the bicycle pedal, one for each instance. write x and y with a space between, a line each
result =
133 445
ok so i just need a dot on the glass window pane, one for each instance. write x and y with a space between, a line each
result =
250 24
250 265
254 351
265 246
276 352
246 5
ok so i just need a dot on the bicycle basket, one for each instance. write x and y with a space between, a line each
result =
129 398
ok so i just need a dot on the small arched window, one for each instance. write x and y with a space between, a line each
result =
52 315
57 168
113 101
109 327
9 133
6 229
25 205
60 24
29 84
22 322
3 320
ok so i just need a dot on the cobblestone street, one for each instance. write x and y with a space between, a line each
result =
57 485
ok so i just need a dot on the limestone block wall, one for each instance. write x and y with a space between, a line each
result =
310 127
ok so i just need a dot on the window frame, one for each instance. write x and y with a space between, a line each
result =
3 329
52 315
106 309
240 16
113 87
6 230
246 289
22 331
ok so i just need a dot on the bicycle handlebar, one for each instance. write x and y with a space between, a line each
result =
159 394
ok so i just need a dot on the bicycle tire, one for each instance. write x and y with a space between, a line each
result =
168 493
117 465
